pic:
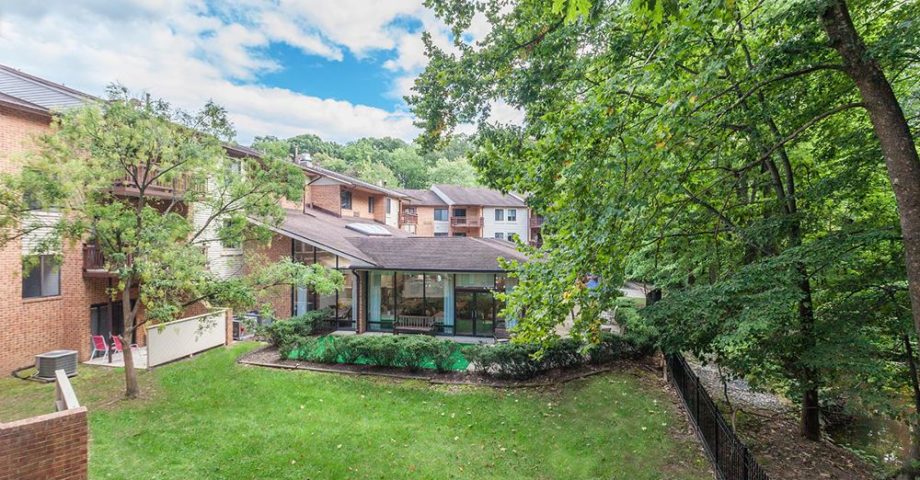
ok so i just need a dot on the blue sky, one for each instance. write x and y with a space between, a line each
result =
285 67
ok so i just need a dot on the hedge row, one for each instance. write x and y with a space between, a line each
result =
413 352
506 360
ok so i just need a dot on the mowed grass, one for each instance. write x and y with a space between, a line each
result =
210 418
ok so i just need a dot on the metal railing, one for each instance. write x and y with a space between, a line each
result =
405 217
730 458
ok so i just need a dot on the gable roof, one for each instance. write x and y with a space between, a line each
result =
443 254
40 92
329 232
457 195
315 169
422 198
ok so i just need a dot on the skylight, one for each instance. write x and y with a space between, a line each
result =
369 229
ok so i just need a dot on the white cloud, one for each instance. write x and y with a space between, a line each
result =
188 51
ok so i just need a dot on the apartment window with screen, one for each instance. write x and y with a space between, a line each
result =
42 277
499 215
346 199
370 204
512 214
440 214
500 235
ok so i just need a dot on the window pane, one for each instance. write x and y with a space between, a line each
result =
440 214
512 214
370 204
480 280
387 299
346 200
344 312
325 258
440 234
500 235
32 282
459 212
499 215
435 291
51 276
389 205
409 296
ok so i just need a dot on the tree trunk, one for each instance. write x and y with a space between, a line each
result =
131 388
909 470
892 131
810 422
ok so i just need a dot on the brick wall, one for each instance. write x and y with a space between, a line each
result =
359 201
34 325
425 226
327 197
280 296
47 447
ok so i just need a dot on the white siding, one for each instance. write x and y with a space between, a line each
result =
40 226
223 262
519 226
392 218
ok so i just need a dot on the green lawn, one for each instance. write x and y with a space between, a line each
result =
210 418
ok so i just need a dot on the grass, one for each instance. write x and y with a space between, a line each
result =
210 418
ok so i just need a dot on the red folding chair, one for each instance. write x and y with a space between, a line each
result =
116 343
99 346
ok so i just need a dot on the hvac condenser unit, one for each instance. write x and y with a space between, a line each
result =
48 362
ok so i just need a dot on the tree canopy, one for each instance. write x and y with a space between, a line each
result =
719 150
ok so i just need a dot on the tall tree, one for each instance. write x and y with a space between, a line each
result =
685 141
127 175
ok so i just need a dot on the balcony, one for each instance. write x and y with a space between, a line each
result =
466 222
94 262
159 188
408 218
536 221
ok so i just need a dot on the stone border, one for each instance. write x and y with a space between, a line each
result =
431 379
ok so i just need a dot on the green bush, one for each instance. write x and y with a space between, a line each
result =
507 360
288 333
412 352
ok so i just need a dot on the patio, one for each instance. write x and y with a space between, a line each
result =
118 359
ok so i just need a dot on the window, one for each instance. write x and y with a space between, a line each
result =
500 235
440 234
513 236
512 214
440 214
459 234
460 212
370 204
43 277
346 199
230 244
389 206
499 215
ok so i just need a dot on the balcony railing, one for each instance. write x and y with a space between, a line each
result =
160 187
465 221
94 262
411 218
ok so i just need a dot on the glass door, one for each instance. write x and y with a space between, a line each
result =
474 313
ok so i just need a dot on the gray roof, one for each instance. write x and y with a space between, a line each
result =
422 198
38 91
443 254
348 180
329 232
457 195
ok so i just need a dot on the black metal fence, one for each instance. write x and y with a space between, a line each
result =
730 458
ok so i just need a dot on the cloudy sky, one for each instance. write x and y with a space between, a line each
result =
336 68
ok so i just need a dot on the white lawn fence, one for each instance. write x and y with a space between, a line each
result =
174 340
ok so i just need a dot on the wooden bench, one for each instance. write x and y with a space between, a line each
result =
415 324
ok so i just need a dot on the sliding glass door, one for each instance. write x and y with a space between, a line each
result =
475 313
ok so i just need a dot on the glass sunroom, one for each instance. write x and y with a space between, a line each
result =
461 304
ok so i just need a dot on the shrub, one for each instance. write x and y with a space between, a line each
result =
289 333
564 353
507 360
413 352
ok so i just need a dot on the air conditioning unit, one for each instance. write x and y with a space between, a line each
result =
48 362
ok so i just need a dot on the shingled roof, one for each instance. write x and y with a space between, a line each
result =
446 254
457 195
422 198
35 91
315 169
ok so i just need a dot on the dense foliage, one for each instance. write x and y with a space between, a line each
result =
505 360
389 161
719 150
